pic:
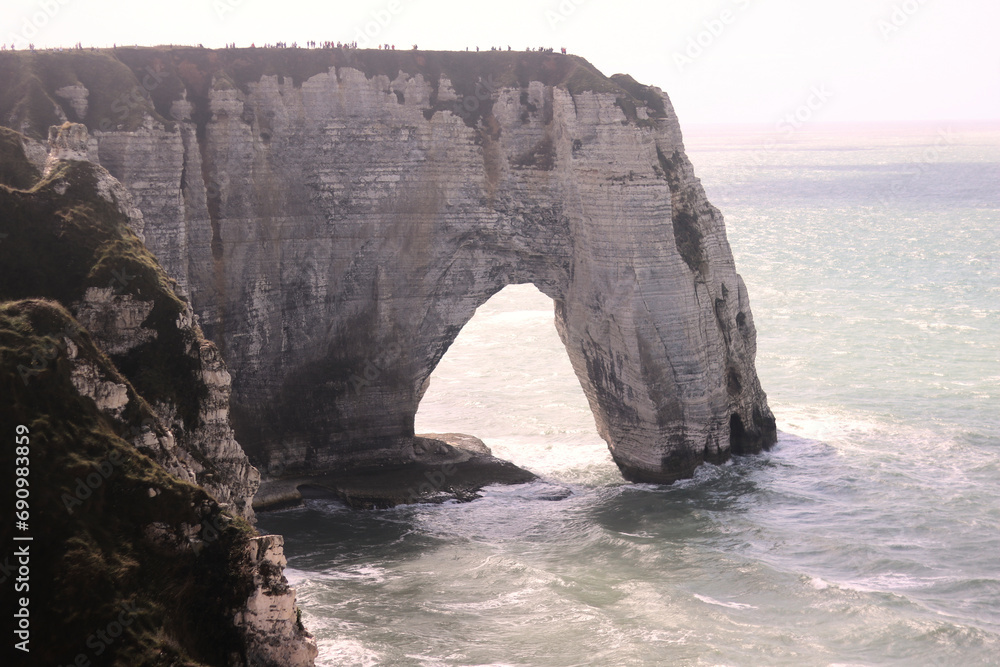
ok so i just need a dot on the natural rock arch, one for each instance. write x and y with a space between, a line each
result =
629 341
337 216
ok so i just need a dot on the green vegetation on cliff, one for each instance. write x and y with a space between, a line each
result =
128 564
16 170
61 238
167 567
29 96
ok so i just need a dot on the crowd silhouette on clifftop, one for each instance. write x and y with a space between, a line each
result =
310 44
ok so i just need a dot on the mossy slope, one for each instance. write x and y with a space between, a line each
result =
91 511
59 237
113 532
29 81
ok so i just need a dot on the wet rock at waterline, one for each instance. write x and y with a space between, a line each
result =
445 466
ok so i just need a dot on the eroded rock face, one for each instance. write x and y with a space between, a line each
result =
202 448
211 455
107 504
445 466
337 225
270 621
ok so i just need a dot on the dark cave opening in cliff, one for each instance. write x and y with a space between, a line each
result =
507 380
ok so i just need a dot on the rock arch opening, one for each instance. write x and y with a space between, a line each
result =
508 380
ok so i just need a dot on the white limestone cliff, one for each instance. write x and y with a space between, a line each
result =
270 619
337 217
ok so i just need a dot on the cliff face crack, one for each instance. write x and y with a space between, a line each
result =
307 296
687 232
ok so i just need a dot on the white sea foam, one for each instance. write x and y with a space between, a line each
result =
335 652
720 603
890 582
359 573
818 583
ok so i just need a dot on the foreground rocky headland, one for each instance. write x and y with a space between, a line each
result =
139 502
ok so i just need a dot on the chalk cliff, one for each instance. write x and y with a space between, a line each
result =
337 216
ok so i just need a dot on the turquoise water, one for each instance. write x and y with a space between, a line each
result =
870 535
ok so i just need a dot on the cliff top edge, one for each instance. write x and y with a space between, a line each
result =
149 79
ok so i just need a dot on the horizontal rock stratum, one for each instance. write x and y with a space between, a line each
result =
337 216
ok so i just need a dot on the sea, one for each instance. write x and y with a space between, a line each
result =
869 535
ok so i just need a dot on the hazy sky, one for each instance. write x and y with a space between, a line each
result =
728 61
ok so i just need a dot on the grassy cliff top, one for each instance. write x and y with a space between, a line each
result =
125 83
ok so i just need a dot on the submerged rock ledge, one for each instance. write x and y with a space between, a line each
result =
448 466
